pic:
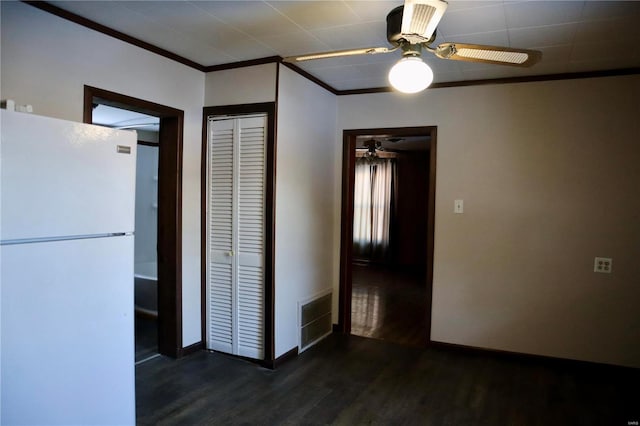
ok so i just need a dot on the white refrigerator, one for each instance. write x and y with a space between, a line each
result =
66 267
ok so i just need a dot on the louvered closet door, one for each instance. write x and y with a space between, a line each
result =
221 231
250 278
236 179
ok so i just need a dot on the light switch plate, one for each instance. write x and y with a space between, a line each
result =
603 265
458 206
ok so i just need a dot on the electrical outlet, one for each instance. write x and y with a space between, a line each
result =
603 265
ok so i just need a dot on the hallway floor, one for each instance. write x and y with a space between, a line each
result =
389 304
146 337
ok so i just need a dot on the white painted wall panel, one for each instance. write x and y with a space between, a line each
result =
305 200
245 85
549 176
46 61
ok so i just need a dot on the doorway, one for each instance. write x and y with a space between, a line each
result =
386 260
145 279
168 207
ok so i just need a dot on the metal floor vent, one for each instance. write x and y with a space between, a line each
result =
315 321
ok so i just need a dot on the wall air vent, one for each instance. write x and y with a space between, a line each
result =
315 320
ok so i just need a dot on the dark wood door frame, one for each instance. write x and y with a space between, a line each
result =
269 108
346 227
169 209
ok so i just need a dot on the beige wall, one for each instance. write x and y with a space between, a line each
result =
550 179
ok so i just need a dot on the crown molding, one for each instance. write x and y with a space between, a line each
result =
310 77
242 64
48 7
510 80
88 23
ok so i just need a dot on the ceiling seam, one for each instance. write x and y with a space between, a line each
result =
232 26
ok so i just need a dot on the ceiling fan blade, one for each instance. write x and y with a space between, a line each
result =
488 54
420 19
340 53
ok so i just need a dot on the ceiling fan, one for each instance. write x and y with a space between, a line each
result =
412 28
370 149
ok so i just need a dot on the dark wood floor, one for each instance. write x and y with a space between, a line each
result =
389 304
146 337
349 380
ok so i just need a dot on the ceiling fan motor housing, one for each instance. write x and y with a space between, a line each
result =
394 27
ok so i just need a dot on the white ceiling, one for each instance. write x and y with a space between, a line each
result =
574 36
118 118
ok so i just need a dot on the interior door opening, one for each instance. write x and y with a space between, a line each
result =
387 234
146 222
158 215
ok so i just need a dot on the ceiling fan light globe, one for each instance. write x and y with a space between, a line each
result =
410 75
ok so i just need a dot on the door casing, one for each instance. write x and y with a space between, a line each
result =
169 211
346 227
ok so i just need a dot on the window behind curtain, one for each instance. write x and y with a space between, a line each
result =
373 196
